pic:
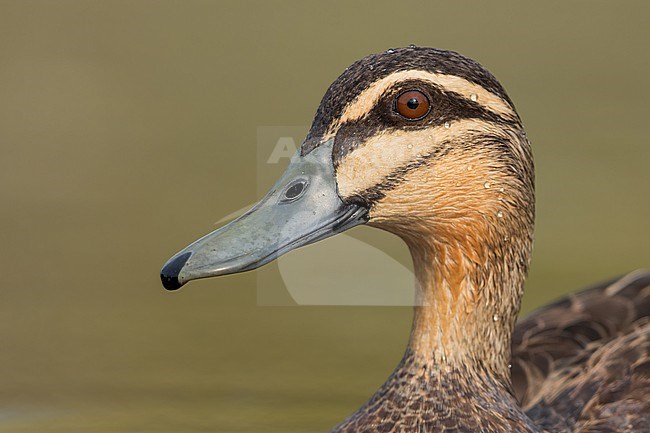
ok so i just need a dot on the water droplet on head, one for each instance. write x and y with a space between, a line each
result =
473 97
509 365
447 125
410 146
501 189
412 46
486 185
506 238
500 214
371 67
495 318
390 51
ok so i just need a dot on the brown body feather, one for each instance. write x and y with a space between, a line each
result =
583 363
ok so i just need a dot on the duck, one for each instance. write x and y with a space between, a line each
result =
426 144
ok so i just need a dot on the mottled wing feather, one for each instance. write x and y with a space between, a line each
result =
620 373
610 392
581 363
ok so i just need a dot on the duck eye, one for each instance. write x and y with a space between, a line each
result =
294 191
412 104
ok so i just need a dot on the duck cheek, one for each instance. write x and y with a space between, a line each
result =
393 215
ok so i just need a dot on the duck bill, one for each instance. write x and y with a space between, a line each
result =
302 207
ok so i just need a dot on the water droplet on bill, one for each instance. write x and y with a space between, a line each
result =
473 97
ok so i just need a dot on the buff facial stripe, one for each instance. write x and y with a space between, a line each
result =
381 155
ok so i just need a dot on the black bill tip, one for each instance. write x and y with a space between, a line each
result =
169 272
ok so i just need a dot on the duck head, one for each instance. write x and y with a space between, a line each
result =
420 142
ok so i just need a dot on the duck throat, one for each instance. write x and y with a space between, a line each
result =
468 294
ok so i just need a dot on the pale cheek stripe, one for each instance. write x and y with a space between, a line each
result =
381 155
451 83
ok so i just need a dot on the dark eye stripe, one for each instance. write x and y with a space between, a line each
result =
446 107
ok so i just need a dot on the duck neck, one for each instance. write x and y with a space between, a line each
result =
455 369
467 304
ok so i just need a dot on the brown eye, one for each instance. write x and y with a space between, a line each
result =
412 104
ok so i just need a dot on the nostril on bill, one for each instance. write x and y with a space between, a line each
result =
169 272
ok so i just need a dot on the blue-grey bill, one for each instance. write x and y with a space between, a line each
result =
302 207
